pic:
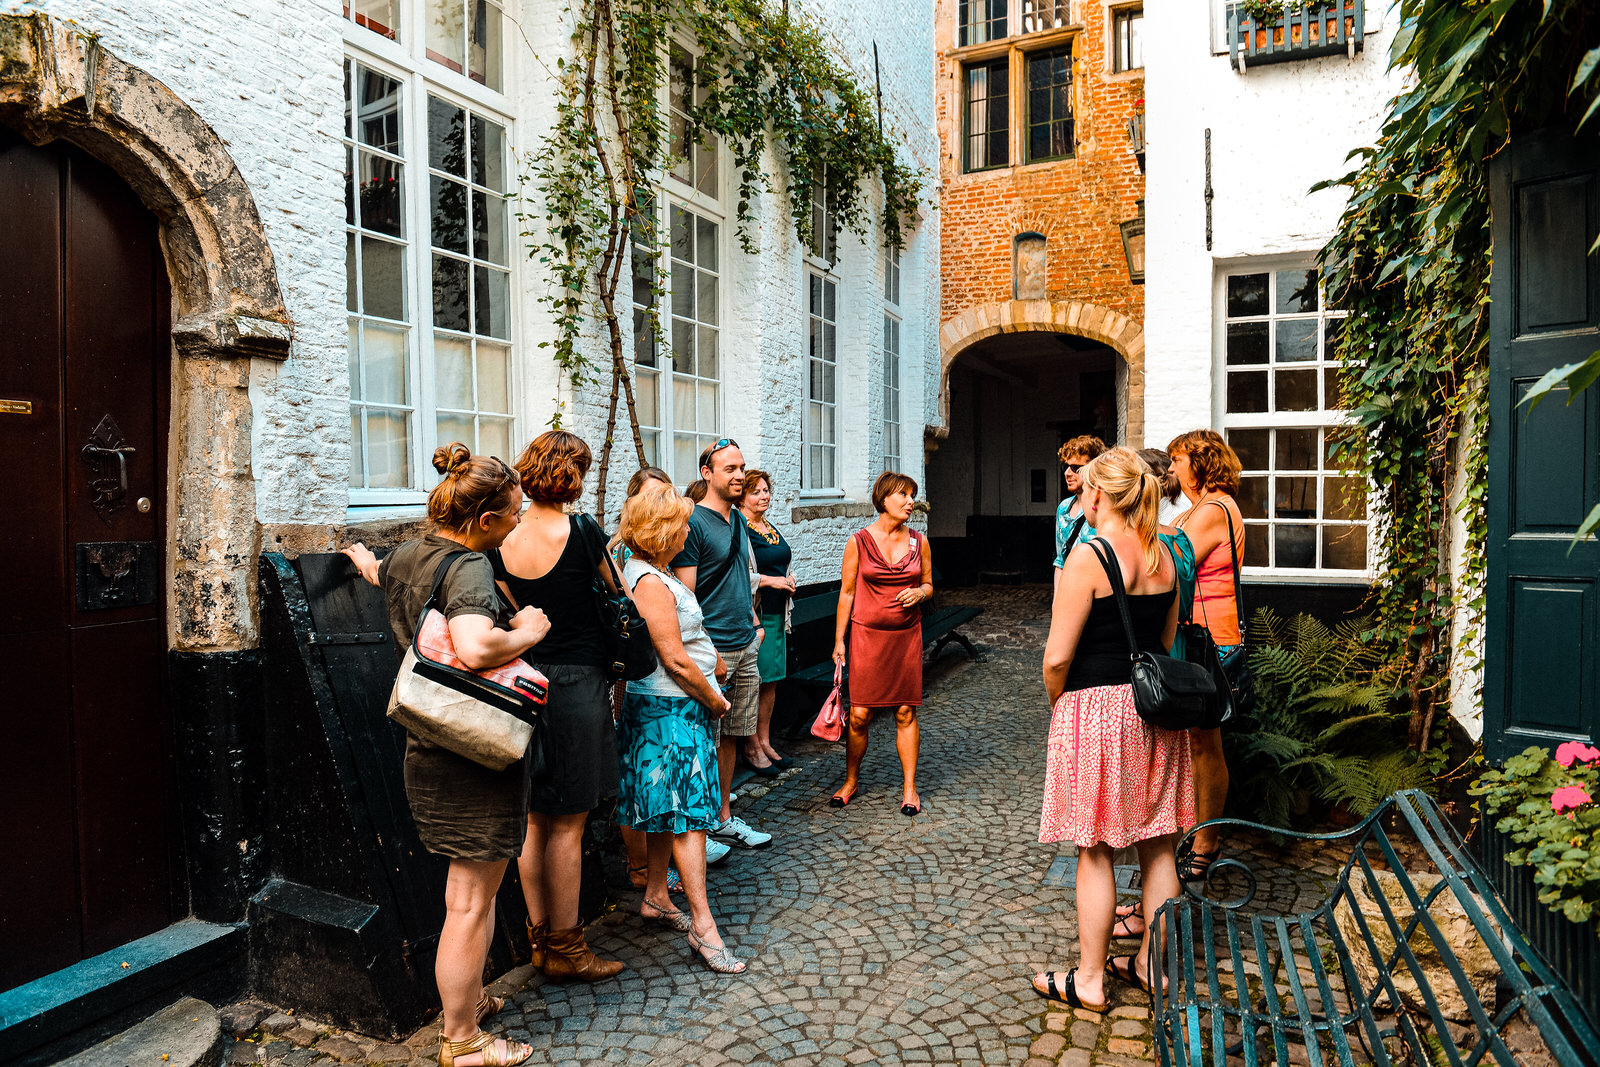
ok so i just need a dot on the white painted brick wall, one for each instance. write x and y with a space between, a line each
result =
1275 131
267 77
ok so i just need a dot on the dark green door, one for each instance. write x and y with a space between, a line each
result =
1543 609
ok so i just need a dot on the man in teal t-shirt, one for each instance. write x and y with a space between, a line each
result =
1072 528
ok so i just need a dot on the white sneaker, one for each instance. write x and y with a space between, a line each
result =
738 832
716 851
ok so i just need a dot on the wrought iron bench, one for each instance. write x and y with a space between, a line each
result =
1392 967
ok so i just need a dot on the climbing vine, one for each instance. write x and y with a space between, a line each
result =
1411 262
762 77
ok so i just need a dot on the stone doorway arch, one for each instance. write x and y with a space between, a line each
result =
57 82
1122 334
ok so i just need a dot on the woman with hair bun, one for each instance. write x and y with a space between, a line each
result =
462 809
1111 779
549 560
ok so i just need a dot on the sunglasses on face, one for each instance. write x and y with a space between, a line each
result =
1076 467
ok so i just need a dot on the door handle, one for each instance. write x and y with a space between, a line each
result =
122 455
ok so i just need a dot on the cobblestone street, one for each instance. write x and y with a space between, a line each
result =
872 937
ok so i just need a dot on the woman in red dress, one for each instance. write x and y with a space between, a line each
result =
887 574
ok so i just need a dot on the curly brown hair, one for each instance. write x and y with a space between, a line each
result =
1212 460
553 466
1082 445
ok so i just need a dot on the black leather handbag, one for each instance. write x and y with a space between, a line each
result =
629 653
1168 693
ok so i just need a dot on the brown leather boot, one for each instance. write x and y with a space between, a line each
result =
570 959
538 934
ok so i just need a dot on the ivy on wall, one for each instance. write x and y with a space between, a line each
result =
1411 262
764 78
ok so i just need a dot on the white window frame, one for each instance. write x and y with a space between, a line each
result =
419 78
1322 418
671 191
892 362
812 483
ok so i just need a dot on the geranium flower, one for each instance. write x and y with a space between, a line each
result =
1569 752
1569 796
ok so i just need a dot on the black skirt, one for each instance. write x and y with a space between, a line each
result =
579 740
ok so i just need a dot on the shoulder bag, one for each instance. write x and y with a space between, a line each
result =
630 655
829 723
1169 694
487 716
707 583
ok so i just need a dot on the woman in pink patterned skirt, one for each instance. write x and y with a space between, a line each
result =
1111 780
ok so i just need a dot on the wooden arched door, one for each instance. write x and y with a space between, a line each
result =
88 827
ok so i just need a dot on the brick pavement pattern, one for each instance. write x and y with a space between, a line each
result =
872 938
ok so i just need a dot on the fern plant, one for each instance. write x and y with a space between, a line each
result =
1326 722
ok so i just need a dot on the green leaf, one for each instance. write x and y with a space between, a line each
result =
1586 528
1586 66
1581 374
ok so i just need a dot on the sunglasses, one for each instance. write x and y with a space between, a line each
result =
723 442
1076 467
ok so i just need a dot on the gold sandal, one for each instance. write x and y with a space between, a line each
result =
489 1006
482 1041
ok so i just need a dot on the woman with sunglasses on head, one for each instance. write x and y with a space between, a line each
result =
463 810
550 561
1111 779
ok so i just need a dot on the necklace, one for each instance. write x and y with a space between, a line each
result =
770 534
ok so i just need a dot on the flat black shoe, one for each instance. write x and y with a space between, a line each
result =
1068 995
769 771
909 810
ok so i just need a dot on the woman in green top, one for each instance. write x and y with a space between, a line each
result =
775 587
463 810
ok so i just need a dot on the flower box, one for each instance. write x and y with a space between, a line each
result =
1318 29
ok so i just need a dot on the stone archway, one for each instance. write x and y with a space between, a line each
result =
1092 321
57 82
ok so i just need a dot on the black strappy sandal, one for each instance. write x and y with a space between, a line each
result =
1131 975
1121 930
1068 995
1193 866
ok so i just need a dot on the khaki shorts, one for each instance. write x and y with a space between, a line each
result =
743 690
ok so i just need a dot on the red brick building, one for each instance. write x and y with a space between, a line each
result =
1041 335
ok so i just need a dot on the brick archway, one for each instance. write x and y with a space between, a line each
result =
1122 334
57 82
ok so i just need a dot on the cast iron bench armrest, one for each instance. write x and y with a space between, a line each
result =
1343 967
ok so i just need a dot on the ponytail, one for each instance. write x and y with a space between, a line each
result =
1133 493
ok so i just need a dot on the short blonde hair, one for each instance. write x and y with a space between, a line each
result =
651 518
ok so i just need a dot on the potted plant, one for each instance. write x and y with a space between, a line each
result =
1277 25
1546 806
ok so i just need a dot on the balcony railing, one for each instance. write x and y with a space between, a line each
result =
1317 29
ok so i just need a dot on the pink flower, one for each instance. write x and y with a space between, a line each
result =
1570 751
1569 796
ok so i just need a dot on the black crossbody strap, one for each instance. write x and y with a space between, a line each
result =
594 544
1077 528
1113 569
439 573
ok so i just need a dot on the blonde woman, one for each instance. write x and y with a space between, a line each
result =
669 787
1111 779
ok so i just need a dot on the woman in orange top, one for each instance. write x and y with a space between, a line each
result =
1207 469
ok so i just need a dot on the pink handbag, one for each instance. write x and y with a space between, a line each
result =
829 724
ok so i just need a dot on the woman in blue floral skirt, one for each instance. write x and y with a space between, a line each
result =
668 785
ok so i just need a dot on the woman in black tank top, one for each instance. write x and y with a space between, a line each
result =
1111 780
551 561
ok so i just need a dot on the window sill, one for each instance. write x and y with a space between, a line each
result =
967 53
1301 577
359 513
841 509
818 264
